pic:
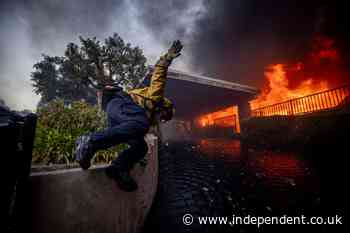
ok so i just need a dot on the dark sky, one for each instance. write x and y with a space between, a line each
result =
232 40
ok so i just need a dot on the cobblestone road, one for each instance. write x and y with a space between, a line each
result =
220 178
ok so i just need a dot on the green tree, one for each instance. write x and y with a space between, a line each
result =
82 69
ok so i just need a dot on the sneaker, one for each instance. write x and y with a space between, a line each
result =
122 177
84 152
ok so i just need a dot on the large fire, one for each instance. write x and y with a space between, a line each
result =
320 70
312 79
279 90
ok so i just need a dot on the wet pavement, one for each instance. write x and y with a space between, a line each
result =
268 181
223 177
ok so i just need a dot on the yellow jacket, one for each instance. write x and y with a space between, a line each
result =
150 98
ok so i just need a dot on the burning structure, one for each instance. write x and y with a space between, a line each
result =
207 102
314 84
226 118
318 82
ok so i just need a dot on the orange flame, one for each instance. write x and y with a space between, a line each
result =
227 117
320 70
279 90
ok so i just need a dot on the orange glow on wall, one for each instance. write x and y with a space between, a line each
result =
227 117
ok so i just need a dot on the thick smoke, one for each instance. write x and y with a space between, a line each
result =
246 36
232 40
236 40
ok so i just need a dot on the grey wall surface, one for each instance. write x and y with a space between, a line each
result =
73 201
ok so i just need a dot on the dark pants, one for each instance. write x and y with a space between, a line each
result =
127 123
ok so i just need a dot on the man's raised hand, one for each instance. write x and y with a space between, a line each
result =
174 50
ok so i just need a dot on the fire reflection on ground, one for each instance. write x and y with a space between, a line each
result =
224 177
272 180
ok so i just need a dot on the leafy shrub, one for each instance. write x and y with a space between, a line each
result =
59 126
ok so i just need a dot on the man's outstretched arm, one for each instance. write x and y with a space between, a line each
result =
158 79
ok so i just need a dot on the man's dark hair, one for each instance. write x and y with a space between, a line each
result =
108 93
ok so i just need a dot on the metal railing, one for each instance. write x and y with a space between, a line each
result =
307 104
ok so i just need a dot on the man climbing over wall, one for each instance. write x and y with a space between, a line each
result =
129 115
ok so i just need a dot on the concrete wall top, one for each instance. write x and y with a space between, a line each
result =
74 201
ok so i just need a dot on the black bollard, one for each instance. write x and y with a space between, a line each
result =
17 132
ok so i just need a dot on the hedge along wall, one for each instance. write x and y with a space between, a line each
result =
58 127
